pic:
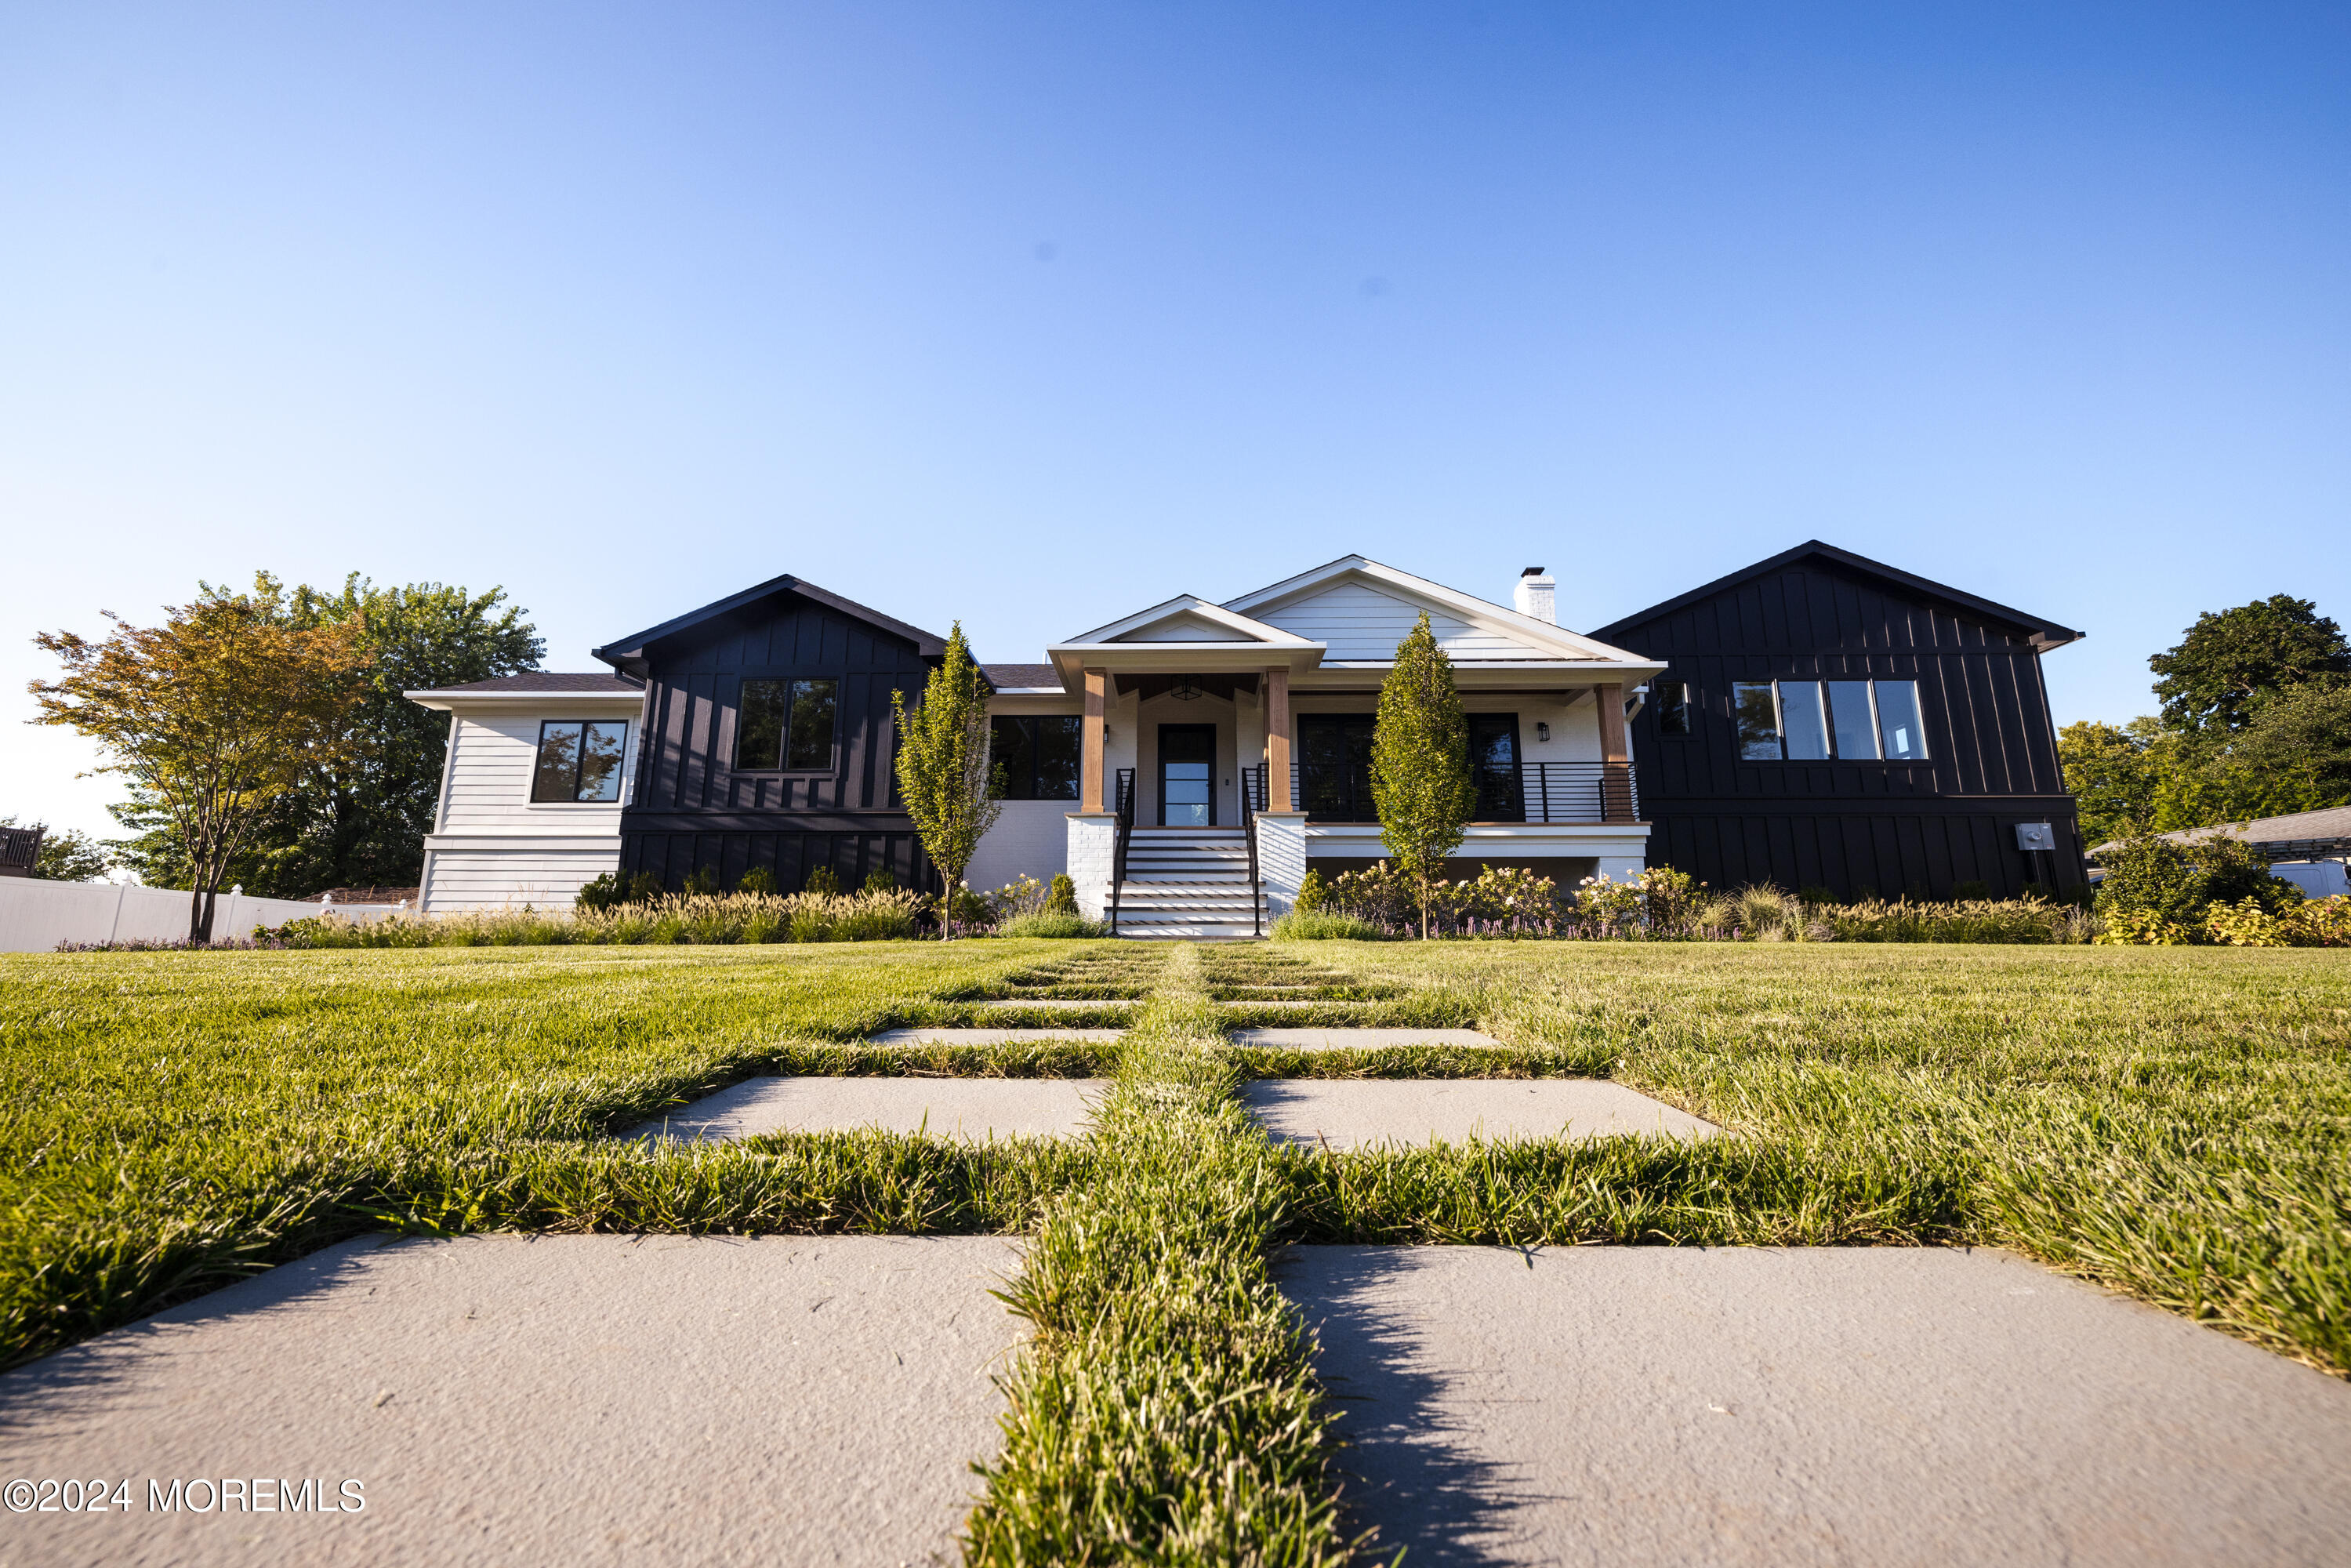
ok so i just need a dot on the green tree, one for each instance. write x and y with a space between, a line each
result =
942 767
1421 784
68 856
2301 739
2233 659
212 716
361 821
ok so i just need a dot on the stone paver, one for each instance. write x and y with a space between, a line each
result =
1059 1002
588 1399
989 1036
968 1108
1668 1406
1357 1039
1353 1112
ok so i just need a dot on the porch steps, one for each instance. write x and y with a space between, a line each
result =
1193 883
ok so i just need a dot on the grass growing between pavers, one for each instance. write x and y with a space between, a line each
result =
1164 1409
177 1120
2172 1123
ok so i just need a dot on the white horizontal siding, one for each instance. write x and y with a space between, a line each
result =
491 758
1184 629
1358 621
1032 838
460 880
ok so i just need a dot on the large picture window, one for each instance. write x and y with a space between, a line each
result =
786 726
1039 755
579 761
1811 721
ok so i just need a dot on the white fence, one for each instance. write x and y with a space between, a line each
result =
35 915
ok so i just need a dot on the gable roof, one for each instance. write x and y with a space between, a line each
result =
533 688
1189 618
2044 634
631 649
1511 636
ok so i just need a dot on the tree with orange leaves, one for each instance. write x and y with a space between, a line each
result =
212 714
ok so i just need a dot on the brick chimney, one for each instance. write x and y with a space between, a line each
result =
1533 596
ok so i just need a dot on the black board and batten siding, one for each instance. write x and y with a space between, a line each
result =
1853 827
692 807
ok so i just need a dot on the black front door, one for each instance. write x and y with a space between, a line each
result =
1188 761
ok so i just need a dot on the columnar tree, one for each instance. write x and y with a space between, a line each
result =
212 716
1420 762
942 767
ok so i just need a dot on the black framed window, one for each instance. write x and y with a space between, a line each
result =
1494 767
1672 698
786 726
1039 755
579 760
1810 721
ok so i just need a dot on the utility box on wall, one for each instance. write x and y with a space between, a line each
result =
2031 836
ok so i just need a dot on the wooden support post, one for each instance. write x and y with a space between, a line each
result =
1090 767
1616 753
1277 740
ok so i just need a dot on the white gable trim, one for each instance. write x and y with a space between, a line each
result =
1539 635
1190 607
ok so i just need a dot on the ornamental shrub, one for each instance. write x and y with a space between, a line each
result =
822 881
1054 923
880 879
2179 883
601 894
1063 898
1324 925
758 881
1314 893
701 883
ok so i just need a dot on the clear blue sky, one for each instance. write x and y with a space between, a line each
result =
1031 315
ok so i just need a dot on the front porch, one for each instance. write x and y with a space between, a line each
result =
1249 725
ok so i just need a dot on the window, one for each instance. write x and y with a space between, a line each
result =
1852 718
579 760
1802 721
1039 755
784 725
1673 707
1756 710
1859 721
1904 737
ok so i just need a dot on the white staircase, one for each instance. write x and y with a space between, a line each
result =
1191 883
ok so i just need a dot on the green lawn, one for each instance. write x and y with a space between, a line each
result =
2175 1122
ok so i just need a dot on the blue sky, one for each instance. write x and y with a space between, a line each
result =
1031 315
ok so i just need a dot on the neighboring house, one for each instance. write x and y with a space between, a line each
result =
756 732
1825 720
2310 849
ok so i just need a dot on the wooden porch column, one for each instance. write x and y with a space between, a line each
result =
1277 740
1615 748
1090 765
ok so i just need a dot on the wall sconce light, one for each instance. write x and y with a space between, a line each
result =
1543 730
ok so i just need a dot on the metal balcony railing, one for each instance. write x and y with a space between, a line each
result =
1526 792
20 849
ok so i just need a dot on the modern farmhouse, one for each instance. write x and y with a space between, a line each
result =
1188 763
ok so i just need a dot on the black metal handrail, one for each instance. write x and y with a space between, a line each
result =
1252 780
1123 815
1521 792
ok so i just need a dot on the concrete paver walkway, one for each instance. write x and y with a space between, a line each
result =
1357 1039
585 1400
969 1108
989 1036
1864 1405
1351 1112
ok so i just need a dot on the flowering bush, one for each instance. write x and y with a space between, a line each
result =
2321 923
874 915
